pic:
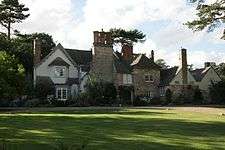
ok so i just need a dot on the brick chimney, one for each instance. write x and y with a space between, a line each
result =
184 66
208 64
102 58
37 51
127 52
102 38
152 55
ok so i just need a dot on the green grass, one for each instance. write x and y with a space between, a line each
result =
113 129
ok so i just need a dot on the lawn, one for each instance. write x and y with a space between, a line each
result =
113 128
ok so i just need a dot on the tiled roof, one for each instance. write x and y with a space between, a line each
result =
199 74
120 65
58 62
144 62
81 57
166 75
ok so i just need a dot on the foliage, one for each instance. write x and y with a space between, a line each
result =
23 48
17 103
122 36
221 70
80 100
198 97
162 63
12 79
168 96
125 94
32 103
44 88
47 43
179 99
210 16
217 92
101 93
11 11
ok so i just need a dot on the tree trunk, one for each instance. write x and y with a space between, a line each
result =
9 26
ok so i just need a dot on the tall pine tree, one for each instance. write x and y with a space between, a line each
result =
210 16
11 11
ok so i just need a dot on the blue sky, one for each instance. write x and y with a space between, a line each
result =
71 23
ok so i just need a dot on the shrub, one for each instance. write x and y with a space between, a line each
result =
179 99
32 103
197 97
168 97
156 101
17 103
142 101
44 88
81 100
125 94
101 93
217 92
4 103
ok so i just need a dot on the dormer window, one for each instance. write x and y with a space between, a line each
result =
60 71
149 78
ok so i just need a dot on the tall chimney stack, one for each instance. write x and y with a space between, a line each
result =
127 52
152 55
37 51
184 66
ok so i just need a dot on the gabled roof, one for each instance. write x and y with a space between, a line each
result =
77 57
58 62
120 65
59 46
144 62
167 75
81 57
199 74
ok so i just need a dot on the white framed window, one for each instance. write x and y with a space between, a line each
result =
150 94
60 71
127 79
149 78
61 93
162 91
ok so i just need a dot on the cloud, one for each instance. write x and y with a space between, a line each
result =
72 25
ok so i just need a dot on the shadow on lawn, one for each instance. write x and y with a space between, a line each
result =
115 132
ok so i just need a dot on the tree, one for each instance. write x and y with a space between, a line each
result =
217 92
168 96
11 81
210 16
47 42
221 70
162 63
23 49
11 11
121 36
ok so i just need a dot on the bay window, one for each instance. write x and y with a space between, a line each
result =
61 93
127 79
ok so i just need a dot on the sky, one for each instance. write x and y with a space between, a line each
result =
72 22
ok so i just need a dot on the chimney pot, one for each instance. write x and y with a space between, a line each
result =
152 55
102 38
127 52
37 51
184 66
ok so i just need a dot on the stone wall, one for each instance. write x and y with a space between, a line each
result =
141 87
102 63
